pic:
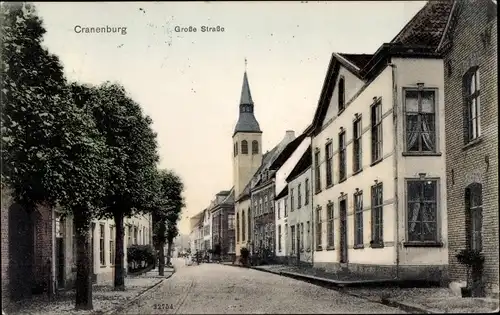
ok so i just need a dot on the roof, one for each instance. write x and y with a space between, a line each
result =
246 96
420 37
266 158
453 18
282 193
303 164
246 120
427 27
359 60
230 197
287 152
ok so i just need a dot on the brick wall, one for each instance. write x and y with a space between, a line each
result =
23 253
466 165
6 202
43 247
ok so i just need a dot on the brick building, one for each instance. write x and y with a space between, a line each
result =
27 250
469 49
223 223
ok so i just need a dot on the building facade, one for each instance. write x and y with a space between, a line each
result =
379 157
300 218
137 231
281 206
223 223
207 229
283 166
471 110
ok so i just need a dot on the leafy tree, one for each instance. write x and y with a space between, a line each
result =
168 203
51 148
132 145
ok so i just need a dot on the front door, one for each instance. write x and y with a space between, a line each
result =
343 230
60 231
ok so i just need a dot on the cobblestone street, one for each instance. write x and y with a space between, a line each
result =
218 289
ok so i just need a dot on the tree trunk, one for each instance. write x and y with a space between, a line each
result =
119 253
83 299
169 252
161 259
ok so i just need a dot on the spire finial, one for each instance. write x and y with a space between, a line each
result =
245 64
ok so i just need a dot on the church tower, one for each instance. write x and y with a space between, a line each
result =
247 141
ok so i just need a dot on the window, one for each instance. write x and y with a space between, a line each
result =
249 226
237 227
279 238
308 234
377 215
255 147
279 209
75 247
357 145
231 246
376 130
474 216
318 228
230 221
129 237
243 224
329 158
102 258
244 147
330 226
342 157
306 196
286 207
341 94
260 206
422 210
473 106
236 148
112 235
291 200
292 231
265 205
420 121
135 235
302 236
140 235
144 238
299 197
358 219
317 173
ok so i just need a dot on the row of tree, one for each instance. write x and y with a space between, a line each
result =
89 150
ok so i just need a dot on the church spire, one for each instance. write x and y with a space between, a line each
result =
246 121
246 96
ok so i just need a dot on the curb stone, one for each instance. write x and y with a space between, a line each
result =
120 309
412 309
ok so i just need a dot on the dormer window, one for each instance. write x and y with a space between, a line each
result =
341 94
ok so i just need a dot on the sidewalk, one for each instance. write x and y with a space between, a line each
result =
412 300
105 300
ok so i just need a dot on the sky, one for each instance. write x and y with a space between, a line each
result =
189 83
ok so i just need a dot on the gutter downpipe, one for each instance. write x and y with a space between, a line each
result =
313 228
396 156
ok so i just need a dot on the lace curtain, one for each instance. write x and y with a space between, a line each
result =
420 133
422 213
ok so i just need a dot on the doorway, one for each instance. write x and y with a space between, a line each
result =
343 230
60 256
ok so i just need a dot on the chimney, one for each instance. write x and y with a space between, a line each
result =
290 134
